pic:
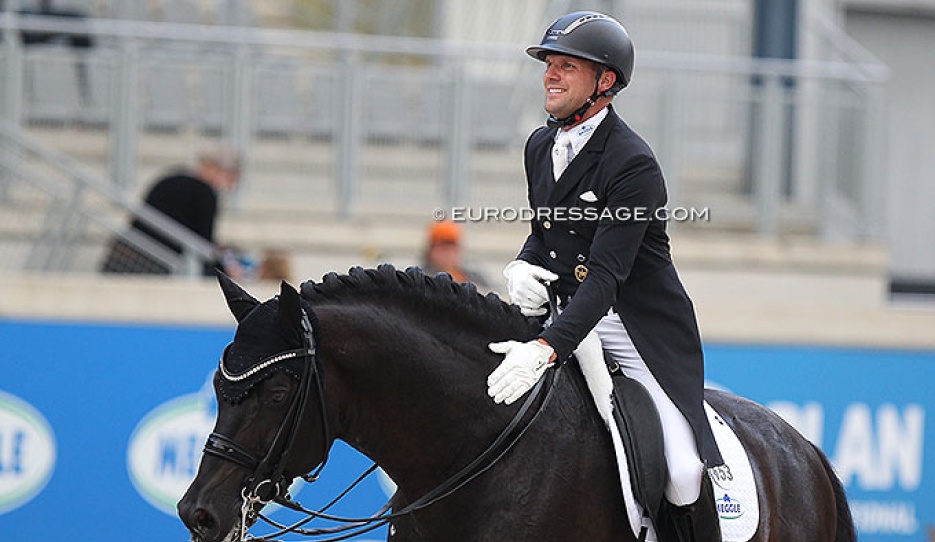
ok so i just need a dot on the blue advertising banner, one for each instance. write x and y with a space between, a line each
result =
866 409
101 428
101 431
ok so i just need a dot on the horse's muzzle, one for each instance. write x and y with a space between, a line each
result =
203 523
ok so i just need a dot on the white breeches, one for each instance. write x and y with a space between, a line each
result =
681 451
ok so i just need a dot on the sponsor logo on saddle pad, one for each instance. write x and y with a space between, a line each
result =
728 508
27 452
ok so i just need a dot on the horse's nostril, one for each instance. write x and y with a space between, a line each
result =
203 520
199 521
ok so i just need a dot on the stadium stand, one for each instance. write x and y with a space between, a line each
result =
337 177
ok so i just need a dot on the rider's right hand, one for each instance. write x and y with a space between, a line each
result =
526 284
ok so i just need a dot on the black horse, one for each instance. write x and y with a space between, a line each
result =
395 364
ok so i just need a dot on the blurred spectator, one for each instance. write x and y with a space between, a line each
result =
236 263
188 197
275 265
443 254
244 266
46 9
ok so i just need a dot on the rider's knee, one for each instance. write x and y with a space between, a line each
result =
684 482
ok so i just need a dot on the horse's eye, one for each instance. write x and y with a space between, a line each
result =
279 395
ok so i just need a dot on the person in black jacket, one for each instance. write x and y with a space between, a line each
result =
188 197
599 237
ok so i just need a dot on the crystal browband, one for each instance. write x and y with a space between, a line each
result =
237 377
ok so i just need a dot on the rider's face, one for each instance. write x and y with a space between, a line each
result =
569 82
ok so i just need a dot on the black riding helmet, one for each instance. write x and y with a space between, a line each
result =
592 36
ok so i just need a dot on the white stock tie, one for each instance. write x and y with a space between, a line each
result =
562 153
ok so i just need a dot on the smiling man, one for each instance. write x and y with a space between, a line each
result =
610 264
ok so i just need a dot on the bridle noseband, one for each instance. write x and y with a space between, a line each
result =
268 480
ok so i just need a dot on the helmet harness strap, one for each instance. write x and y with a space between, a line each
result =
578 114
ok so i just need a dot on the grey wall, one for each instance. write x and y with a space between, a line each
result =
906 44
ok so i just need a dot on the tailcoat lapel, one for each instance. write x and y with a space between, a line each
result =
540 178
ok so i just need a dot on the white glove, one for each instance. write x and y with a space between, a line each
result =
524 283
519 371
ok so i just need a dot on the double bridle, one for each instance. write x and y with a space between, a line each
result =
268 482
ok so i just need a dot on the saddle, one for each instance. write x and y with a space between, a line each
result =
638 444
641 433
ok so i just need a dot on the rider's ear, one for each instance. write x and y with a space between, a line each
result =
290 308
238 300
608 78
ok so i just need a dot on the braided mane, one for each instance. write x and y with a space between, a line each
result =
432 297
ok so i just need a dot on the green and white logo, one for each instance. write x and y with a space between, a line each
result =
27 452
165 448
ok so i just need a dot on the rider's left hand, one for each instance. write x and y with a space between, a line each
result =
520 369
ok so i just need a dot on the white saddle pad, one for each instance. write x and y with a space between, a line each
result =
734 486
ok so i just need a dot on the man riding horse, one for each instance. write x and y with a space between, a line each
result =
599 237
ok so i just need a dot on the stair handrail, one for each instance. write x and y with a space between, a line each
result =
195 249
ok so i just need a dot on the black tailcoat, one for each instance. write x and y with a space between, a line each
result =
600 229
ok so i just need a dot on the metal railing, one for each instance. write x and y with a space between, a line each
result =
363 122
75 206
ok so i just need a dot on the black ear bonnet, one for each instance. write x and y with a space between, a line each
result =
262 337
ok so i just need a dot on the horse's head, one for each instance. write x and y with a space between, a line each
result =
270 402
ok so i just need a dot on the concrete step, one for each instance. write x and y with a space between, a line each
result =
289 202
394 178
744 291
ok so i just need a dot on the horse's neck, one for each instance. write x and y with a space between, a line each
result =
401 395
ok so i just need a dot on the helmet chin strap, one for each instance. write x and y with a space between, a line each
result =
575 117
578 114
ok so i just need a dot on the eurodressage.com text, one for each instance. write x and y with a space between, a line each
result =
574 214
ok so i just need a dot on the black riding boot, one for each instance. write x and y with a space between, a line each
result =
698 522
